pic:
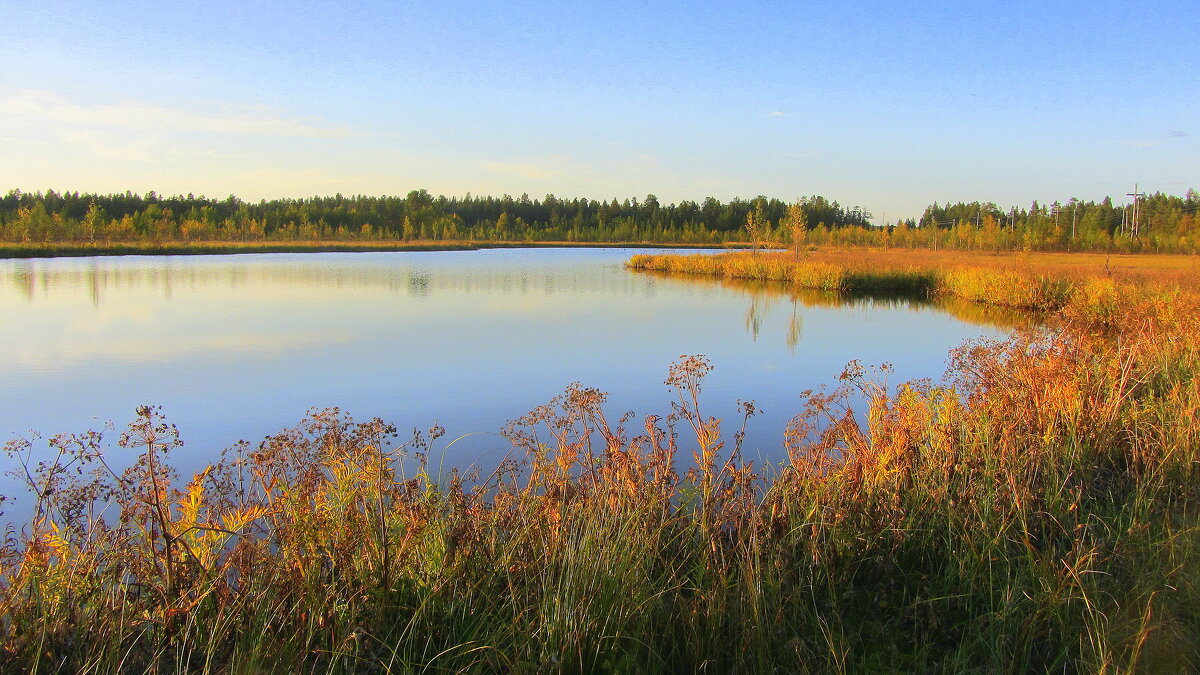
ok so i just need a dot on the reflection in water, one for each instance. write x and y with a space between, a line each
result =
987 315
241 346
755 315
101 276
795 328
764 295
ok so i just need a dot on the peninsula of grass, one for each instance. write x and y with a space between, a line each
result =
1042 282
1039 511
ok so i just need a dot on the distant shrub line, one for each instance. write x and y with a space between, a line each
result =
1161 223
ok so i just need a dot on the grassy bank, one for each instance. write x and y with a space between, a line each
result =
1040 282
1037 512
9 250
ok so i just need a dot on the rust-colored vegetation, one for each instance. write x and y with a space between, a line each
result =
1037 281
1036 512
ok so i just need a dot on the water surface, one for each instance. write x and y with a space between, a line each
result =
237 347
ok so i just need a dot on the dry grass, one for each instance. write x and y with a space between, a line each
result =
1182 270
1040 281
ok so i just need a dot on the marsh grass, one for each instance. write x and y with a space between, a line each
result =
1036 512
800 272
1037 282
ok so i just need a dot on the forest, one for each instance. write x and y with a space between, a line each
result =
1154 223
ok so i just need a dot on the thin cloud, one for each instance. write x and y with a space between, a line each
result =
521 169
641 163
541 168
104 147
44 108
777 113
1179 134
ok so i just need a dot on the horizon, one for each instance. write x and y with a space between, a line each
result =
162 196
864 105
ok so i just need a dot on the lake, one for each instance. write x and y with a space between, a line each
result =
238 347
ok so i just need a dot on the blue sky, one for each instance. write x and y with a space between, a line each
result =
876 104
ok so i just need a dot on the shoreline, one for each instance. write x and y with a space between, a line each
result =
29 251
1026 280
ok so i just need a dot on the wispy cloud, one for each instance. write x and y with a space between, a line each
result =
44 108
777 113
521 169
1152 142
105 146
641 163
551 166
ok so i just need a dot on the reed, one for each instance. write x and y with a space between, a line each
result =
1044 284
1037 511
800 272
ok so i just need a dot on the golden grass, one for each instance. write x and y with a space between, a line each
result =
1158 269
1042 281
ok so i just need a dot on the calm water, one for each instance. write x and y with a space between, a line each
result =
237 347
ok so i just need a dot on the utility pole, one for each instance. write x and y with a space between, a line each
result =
1133 228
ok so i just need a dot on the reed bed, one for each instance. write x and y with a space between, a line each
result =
1044 283
1120 267
1036 512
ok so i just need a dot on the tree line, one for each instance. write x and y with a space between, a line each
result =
74 217
1158 222
1154 223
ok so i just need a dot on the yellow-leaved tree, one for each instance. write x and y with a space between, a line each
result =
797 224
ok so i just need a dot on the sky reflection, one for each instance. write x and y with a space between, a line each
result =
237 347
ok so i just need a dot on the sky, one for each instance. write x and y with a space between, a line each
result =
887 106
